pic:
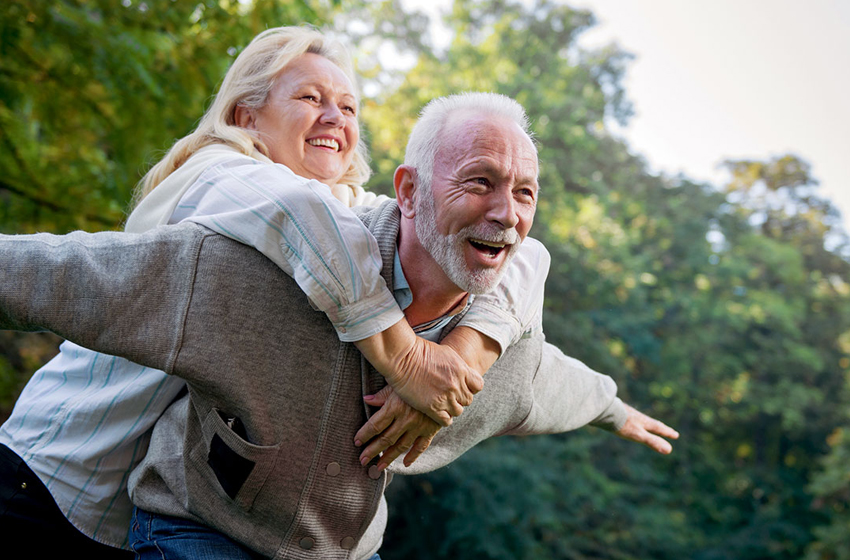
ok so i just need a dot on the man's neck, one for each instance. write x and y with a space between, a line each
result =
434 294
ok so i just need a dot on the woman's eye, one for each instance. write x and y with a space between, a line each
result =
310 98
349 109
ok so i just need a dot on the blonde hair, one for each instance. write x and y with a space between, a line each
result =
248 83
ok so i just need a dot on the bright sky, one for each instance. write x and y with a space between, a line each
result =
737 79
732 79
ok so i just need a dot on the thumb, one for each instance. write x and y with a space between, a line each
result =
379 398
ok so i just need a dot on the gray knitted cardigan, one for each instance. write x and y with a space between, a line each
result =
262 447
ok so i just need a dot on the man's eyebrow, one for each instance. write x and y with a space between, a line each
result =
487 166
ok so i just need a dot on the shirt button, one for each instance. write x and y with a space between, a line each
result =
306 543
341 329
23 485
374 473
333 469
347 543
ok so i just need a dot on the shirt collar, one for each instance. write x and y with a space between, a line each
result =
404 297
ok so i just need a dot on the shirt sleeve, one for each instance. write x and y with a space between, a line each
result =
569 395
116 293
300 226
514 309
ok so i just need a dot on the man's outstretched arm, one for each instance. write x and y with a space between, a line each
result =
568 394
117 293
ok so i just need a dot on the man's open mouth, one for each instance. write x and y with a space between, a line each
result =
491 248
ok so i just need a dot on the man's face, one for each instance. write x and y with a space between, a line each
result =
484 194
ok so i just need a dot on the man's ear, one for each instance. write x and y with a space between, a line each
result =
404 181
244 117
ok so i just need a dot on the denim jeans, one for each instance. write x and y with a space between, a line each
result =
161 537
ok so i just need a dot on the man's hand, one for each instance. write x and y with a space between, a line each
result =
394 429
641 428
429 377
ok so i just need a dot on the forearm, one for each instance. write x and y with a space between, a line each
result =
112 292
306 232
569 395
478 350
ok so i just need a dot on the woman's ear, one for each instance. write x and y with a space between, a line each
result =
244 117
405 181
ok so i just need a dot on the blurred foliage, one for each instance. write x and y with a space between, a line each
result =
723 310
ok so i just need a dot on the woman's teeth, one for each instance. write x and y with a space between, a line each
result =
325 142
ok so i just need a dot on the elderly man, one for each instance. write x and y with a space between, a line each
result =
263 448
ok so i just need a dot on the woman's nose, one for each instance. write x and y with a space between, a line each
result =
331 115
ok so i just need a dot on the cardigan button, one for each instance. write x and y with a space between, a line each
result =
333 469
347 543
374 473
306 543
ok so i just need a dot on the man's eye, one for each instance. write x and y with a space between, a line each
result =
349 109
310 98
481 181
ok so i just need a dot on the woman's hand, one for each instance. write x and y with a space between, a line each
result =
429 377
395 429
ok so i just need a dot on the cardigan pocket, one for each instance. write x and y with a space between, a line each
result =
234 467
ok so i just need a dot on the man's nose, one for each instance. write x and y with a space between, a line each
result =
503 209
331 115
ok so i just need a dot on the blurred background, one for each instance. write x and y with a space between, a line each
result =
715 291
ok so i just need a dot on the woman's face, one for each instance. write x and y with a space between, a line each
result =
309 122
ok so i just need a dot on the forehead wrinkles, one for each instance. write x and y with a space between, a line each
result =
316 72
490 150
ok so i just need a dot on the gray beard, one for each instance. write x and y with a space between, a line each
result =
447 250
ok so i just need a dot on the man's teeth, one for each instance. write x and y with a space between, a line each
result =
492 244
326 142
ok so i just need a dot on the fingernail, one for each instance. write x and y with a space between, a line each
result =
363 461
357 443
369 398
382 466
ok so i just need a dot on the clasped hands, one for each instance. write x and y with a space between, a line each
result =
433 379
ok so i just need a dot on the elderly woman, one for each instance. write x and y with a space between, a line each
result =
273 163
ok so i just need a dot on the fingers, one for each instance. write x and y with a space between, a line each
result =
393 452
380 443
657 444
643 429
662 429
474 383
419 447
379 398
379 422
444 418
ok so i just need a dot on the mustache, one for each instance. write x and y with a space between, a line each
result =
490 232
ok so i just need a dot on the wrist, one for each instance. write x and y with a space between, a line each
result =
387 349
